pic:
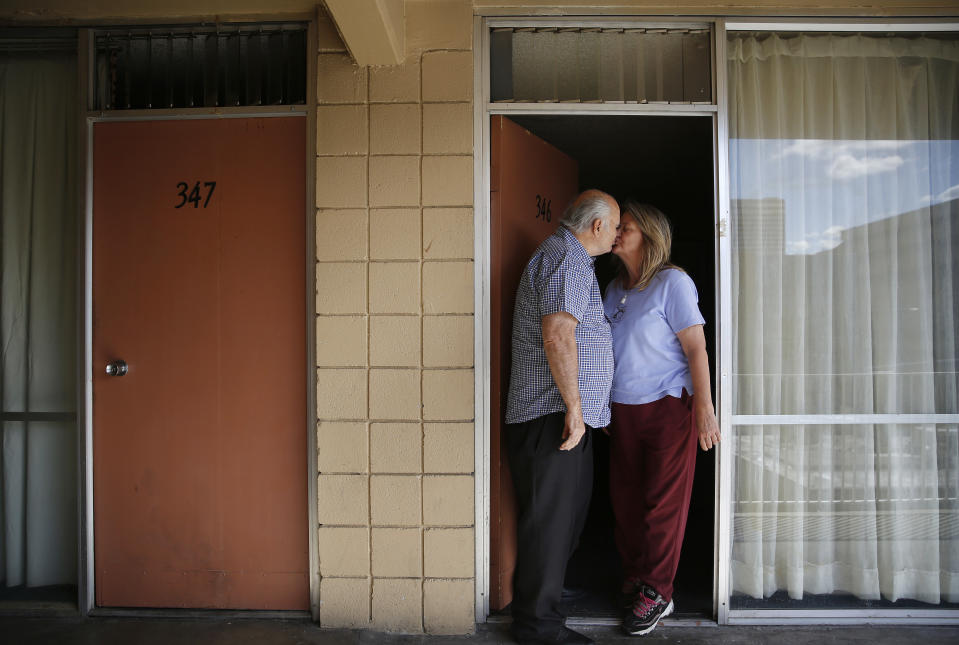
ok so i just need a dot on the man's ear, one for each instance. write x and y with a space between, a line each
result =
597 225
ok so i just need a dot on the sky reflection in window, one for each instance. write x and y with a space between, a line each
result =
829 186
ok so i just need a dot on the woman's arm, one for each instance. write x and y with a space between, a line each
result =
704 416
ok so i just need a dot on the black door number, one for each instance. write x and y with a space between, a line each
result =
193 196
543 208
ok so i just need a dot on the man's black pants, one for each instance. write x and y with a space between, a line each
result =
553 489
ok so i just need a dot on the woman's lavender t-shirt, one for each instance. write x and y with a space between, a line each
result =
649 360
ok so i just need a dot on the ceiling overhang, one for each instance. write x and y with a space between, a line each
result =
373 30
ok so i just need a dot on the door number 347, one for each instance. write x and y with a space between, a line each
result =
189 195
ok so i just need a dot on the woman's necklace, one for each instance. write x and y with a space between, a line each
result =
622 301
621 308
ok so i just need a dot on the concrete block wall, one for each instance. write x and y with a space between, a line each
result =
394 330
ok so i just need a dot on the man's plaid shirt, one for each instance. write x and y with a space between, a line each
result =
559 277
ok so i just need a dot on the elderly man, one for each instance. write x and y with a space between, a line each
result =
559 387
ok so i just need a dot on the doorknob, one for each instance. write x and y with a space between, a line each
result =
117 368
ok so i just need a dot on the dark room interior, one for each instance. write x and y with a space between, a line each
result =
666 161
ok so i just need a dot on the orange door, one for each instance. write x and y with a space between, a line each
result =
531 182
199 450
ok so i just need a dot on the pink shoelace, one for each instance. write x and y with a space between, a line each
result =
643 606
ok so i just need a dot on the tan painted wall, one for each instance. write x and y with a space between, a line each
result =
394 273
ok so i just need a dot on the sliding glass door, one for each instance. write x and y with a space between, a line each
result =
844 188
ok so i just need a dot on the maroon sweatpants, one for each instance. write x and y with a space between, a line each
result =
652 459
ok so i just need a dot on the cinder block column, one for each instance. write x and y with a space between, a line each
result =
395 391
448 278
342 333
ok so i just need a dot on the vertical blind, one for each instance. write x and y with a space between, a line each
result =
183 67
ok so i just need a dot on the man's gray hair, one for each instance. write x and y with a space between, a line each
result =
578 217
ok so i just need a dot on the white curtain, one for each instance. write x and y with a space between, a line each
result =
844 160
38 469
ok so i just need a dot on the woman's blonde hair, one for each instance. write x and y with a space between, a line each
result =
657 242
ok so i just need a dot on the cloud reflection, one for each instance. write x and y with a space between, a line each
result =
828 186
848 166
947 195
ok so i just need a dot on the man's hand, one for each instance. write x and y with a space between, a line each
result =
573 430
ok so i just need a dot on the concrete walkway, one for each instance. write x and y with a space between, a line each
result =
207 631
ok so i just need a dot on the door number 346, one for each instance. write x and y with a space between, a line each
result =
543 209
193 196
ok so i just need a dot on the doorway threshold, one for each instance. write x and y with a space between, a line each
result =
40 609
213 614
607 621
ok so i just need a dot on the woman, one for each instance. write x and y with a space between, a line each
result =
661 404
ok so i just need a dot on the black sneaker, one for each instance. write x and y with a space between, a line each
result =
648 608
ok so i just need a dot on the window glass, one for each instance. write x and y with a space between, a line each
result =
844 185
38 320
185 67
845 516
596 65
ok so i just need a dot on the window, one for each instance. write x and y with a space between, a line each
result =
844 186
38 316
184 67
600 65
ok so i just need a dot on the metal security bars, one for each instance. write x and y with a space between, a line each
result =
201 66
600 65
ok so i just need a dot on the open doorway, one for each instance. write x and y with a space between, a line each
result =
666 161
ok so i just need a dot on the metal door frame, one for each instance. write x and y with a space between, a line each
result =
483 109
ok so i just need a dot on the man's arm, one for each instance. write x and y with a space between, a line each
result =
559 342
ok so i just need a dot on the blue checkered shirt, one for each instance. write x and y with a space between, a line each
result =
559 277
